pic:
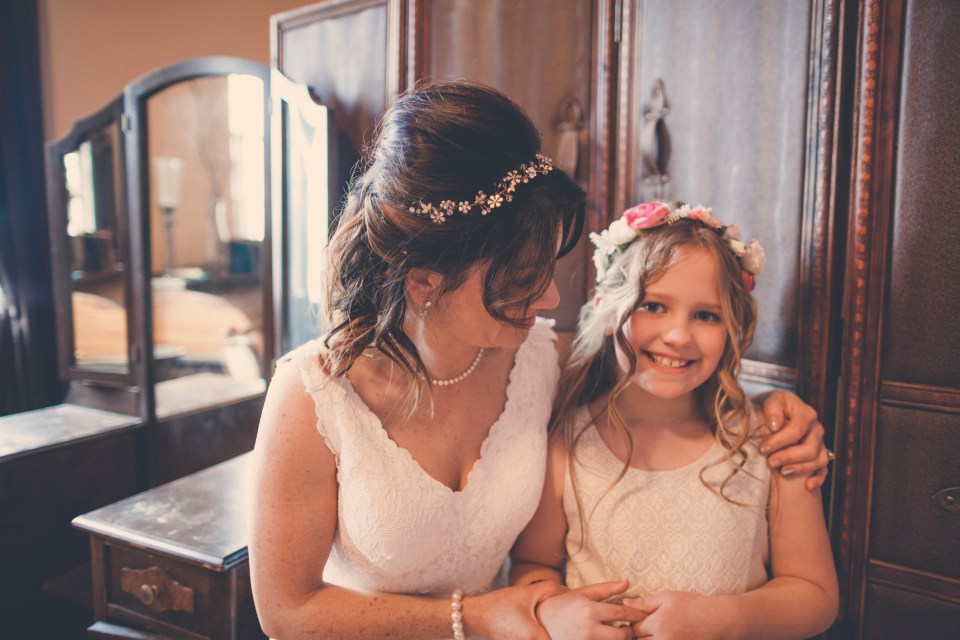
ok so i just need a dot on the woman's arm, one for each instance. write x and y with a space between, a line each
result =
799 602
538 555
795 446
293 522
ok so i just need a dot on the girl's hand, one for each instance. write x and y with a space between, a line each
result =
796 444
676 615
579 614
508 614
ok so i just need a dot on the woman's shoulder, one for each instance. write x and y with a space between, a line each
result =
306 359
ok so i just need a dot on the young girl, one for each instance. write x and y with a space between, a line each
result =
654 474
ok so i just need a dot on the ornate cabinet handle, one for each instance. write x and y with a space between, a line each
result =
948 499
155 589
655 144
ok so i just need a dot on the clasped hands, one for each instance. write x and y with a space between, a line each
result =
583 614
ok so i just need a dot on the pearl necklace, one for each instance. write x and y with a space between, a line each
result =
459 378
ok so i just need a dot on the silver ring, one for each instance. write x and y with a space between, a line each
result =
831 456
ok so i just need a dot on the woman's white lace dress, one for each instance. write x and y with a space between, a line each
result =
665 530
400 530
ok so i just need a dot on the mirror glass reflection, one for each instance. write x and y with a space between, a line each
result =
93 185
307 197
207 220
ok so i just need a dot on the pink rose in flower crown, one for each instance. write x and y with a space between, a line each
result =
646 215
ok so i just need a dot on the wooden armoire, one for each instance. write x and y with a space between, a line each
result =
829 129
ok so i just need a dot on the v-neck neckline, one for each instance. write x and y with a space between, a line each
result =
476 470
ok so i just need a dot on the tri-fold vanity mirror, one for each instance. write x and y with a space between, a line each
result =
172 303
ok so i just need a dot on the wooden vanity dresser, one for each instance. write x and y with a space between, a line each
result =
172 561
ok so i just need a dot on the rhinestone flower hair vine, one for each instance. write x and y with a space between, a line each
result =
440 213
615 239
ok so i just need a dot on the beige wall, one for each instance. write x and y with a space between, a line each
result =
90 49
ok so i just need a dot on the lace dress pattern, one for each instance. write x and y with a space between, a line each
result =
399 529
665 530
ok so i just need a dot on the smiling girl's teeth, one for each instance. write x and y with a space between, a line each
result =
668 362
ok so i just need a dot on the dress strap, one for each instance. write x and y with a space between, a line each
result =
327 394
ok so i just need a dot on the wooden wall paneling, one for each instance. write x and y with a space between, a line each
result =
608 64
821 242
877 88
919 345
892 613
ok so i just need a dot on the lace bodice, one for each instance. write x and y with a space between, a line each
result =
665 530
399 529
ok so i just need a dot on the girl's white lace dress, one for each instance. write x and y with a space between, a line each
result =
400 530
665 530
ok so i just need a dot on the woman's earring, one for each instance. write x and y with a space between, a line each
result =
425 308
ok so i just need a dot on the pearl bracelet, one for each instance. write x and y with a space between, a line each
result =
456 600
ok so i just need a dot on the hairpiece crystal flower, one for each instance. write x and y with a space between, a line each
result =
503 192
615 239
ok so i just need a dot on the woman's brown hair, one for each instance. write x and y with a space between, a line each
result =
443 141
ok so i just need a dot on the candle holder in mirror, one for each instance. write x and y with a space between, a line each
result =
168 181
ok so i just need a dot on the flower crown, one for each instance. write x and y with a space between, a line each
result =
615 239
487 203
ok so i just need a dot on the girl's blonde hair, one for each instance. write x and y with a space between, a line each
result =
592 369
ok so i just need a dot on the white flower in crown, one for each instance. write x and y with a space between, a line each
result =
603 243
737 247
619 232
753 257
600 263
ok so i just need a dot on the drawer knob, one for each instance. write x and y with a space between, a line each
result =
156 590
148 593
948 499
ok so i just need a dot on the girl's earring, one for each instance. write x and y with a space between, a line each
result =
425 308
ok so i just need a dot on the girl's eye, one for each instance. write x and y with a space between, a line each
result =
707 316
652 307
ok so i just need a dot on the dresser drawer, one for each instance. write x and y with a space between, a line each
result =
142 585
178 599
916 499
896 614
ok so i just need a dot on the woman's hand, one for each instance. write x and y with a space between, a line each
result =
796 443
508 614
676 615
580 614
